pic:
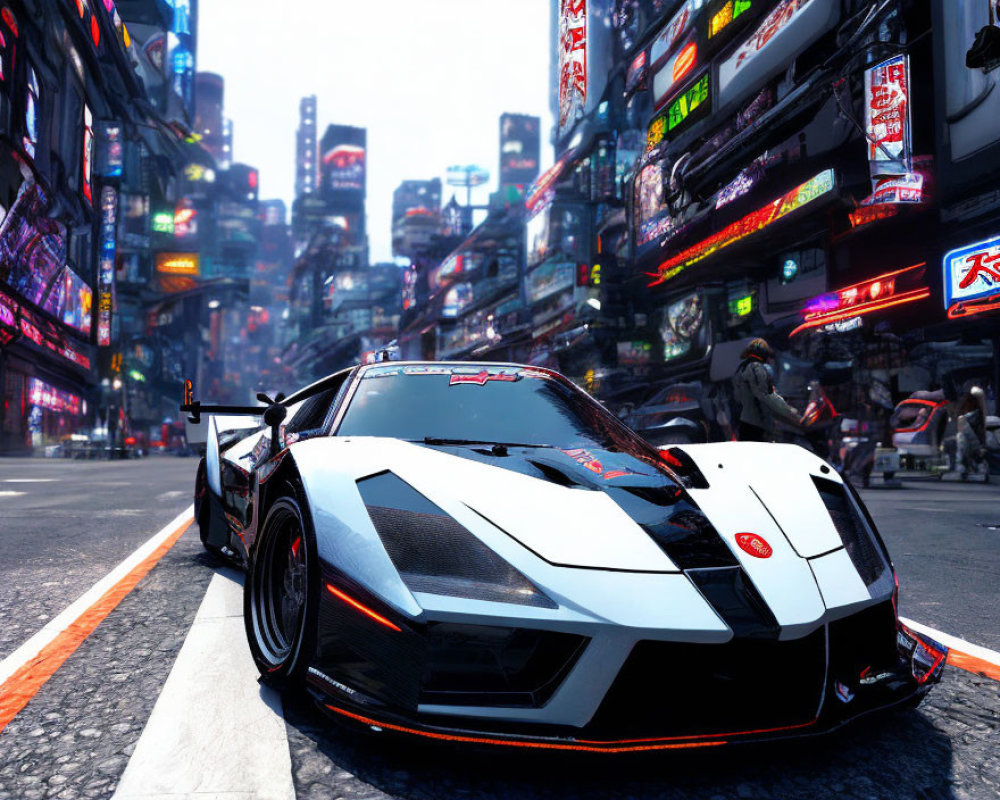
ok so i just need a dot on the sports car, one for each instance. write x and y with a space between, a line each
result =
482 553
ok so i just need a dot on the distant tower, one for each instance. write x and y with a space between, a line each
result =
305 148
209 95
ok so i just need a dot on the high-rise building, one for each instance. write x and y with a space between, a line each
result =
305 147
342 182
416 216
209 97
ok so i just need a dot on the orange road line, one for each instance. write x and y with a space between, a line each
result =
17 691
977 666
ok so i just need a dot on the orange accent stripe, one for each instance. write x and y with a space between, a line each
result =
24 684
973 664
450 737
363 609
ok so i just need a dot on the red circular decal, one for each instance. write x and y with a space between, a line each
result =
754 545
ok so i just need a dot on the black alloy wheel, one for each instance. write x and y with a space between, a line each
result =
279 595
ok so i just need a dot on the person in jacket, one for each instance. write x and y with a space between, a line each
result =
760 405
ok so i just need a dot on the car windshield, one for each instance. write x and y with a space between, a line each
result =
509 405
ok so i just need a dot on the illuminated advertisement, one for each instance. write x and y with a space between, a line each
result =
972 279
876 294
674 71
537 236
520 147
107 246
458 298
111 158
636 72
70 300
177 263
650 203
540 189
907 188
344 167
798 197
43 395
39 331
682 110
887 116
343 161
551 277
674 30
790 27
572 61
682 321
723 18
634 353
32 248
88 154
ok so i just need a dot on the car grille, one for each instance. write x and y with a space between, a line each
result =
684 689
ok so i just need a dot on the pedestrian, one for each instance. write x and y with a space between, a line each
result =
759 404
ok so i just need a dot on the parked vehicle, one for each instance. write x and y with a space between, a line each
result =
482 553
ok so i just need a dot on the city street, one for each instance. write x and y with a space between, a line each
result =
108 719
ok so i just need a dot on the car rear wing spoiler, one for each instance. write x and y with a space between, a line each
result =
195 408
273 413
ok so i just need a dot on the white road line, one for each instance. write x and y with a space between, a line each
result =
214 731
29 480
11 494
954 643
72 613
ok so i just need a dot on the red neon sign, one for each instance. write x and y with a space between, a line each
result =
685 62
885 291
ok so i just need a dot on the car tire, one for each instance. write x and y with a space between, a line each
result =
202 512
280 594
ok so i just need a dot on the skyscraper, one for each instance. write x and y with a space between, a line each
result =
305 147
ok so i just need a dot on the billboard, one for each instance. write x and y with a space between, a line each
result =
790 27
520 148
972 279
343 153
584 49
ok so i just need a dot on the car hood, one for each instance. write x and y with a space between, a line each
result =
597 510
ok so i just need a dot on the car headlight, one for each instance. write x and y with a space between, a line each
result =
435 554
858 537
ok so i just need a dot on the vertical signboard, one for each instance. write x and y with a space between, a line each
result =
106 265
572 61
887 116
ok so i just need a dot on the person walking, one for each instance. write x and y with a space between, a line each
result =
760 405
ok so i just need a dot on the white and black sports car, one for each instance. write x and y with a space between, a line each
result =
481 553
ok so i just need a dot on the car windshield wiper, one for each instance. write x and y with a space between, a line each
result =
440 441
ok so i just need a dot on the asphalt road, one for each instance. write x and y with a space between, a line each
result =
67 528
64 524
944 539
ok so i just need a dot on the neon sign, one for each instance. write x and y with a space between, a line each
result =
730 11
972 279
886 291
106 264
675 70
177 263
791 201
683 107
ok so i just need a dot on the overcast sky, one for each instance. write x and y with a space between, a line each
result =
427 78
